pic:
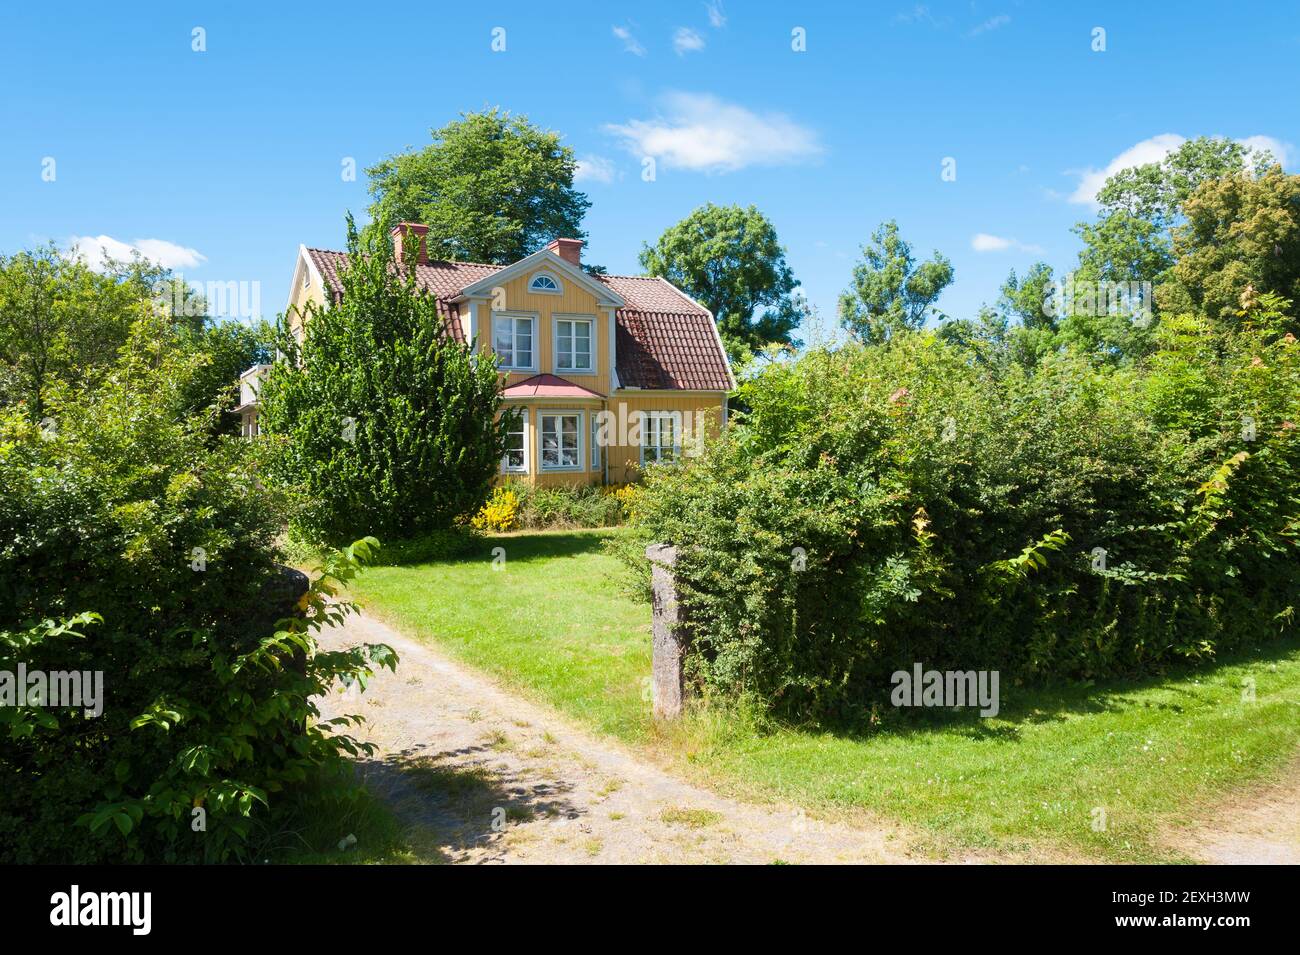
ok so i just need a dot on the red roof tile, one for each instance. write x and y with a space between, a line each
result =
664 340
549 386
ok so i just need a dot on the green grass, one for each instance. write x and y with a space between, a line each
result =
1154 755
551 621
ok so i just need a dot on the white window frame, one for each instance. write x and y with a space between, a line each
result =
590 321
505 467
513 318
559 286
646 430
542 415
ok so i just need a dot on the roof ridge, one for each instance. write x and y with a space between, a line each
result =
482 265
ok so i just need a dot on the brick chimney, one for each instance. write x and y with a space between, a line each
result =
568 249
404 229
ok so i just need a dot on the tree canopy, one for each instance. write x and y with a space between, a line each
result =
730 259
889 290
491 187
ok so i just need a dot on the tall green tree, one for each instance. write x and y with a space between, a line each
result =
890 291
1132 238
491 187
730 259
61 321
1241 233
379 419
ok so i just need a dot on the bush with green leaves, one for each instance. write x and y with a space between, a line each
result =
133 544
543 507
881 506
378 420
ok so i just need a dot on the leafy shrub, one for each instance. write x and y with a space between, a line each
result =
378 420
543 507
881 506
132 512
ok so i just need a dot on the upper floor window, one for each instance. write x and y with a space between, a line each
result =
544 282
573 344
512 339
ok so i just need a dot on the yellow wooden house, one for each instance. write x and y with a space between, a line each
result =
610 372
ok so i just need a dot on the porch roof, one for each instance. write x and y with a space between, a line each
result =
548 386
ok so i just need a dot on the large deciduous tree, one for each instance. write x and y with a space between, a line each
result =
1241 232
890 291
729 258
1140 207
491 187
380 420
61 321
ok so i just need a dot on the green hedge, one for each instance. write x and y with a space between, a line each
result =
128 509
882 506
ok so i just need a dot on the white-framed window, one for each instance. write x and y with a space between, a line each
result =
546 283
574 344
560 440
661 436
513 339
515 460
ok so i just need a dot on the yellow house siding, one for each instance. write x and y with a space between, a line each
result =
699 409
705 409
573 302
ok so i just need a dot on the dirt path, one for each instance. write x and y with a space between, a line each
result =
483 776
1263 828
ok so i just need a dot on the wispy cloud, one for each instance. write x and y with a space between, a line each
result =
921 14
630 43
594 169
717 19
992 23
702 133
686 40
984 242
98 249
1155 149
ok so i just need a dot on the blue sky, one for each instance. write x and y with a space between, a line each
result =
221 162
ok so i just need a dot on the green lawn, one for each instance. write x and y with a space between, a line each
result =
1153 756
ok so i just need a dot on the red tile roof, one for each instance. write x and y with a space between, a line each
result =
549 386
664 340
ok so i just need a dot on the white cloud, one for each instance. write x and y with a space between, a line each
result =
717 19
686 40
992 23
1149 150
97 249
630 44
594 169
703 133
984 242
1155 149
1282 152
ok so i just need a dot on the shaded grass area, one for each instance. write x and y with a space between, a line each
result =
1099 771
347 824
